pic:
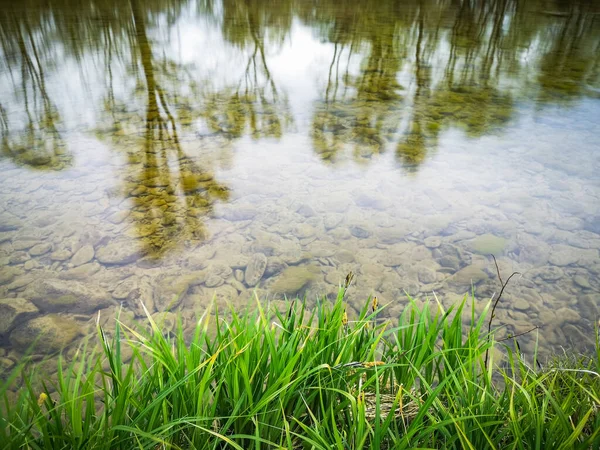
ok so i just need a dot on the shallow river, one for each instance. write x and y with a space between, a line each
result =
172 152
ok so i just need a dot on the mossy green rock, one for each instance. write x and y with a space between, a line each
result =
487 244
49 333
292 279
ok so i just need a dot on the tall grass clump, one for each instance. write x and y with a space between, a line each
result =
306 379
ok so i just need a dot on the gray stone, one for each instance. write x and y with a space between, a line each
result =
56 295
344 256
532 250
255 269
564 255
521 304
306 211
14 311
48 334
582 281
124 288
550 273
420 253
18 257
486 244
118 216
360 232
466 276
172 289
449 261
200 257
321 249
7 274
568 315
569 223
368 200
134 293
118 252
332 220
31 264
592 224
588 305
9 223
340 233
217 268
426 275
24 244
23 281
80 273
40 249
6 364
293 279
304 230
578 337
275 265
392 235
240 212
6 236
84 255
395 255
60 255
214 281
433 242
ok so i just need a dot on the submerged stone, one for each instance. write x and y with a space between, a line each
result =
565 255
433 242
84 255
118 216
255 269
344 256
172 289
80 273
332 220
304 230
236 213
40 249
60 255
487 244
7 274
14 311
9 223
19 258
50 333
118 252
466 276
57 295
360 232
134 293
293 279
25 244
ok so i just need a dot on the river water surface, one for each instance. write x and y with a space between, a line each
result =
172 152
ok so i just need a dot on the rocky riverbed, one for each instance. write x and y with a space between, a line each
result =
73 248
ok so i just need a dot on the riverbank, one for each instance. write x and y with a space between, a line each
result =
317 379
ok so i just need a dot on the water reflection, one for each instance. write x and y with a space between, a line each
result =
398 75
278 145
39 145
169 192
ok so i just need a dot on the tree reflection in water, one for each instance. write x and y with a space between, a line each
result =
38 142
399 74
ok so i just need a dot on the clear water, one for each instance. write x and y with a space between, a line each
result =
171 152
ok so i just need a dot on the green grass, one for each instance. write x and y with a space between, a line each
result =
303 379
